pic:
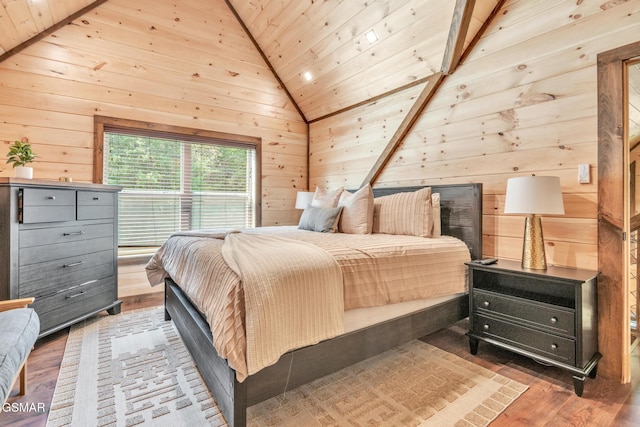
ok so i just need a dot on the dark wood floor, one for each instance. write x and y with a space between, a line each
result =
549 401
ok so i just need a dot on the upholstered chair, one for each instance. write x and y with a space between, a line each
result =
19 329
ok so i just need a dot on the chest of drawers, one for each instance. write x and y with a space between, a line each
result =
548 315
58 243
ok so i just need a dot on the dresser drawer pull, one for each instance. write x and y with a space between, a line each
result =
96 198
76 295
80 285
486 327
73 264
73 233
554 347
51 197
554 320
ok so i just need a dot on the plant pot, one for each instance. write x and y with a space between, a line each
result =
25 172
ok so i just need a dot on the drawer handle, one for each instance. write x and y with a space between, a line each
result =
96 198
554 347
51 197
486 303
76 295
79 286
554 320
73 264
486 327
74 233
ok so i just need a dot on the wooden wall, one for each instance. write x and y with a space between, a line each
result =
524 102
177 63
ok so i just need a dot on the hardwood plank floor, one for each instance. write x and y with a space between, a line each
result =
549 401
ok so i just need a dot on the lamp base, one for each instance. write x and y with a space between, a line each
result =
533 255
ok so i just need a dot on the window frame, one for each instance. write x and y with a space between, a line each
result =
175 132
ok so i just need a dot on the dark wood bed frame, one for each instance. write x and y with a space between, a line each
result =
461 212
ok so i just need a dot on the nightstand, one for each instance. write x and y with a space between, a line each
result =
548 315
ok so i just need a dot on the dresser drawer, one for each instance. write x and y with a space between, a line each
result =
38 280
65 306
550 318
39 254
48 197
551 346
75 233
95 205
47 205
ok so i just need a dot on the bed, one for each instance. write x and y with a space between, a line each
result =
461 217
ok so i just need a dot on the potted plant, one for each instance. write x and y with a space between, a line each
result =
20 154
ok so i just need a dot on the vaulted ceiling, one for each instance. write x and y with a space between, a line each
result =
20 20
328 40
318 49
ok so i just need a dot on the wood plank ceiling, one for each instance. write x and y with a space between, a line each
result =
326 39
21 20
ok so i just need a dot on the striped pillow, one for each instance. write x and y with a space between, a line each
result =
404 213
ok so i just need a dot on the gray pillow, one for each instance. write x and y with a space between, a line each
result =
324 220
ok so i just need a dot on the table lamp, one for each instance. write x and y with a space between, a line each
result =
303 199
533 196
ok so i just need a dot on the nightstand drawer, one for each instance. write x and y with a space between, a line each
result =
550 318
543 344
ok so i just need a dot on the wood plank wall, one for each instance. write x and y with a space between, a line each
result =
176 63
524 102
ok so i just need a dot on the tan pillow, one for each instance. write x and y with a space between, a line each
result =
357 212
437 219
326 199
404 213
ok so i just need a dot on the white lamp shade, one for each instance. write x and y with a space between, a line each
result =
534 195
303 199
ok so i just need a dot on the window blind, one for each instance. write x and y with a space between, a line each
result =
173 184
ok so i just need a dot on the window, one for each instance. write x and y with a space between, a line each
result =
173 181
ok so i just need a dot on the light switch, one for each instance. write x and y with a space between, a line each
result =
584 173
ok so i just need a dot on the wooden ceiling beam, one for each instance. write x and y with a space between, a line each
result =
455 42
9 53
373 99
457 35
434 82
266 60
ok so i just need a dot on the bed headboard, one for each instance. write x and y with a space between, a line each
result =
461 211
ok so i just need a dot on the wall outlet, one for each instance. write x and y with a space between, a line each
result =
584 173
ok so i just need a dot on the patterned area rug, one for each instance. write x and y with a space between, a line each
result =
132 369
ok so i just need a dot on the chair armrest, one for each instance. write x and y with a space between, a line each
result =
15 303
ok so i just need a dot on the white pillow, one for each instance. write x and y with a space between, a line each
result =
357 212
326 199
437 219
404 213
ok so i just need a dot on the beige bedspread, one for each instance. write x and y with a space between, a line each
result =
376 270
289 293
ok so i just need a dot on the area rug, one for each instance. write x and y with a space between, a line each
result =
133 369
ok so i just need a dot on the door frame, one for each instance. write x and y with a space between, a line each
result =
614 330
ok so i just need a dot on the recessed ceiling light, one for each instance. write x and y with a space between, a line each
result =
371 36
307 75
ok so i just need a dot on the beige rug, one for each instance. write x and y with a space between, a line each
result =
132 369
